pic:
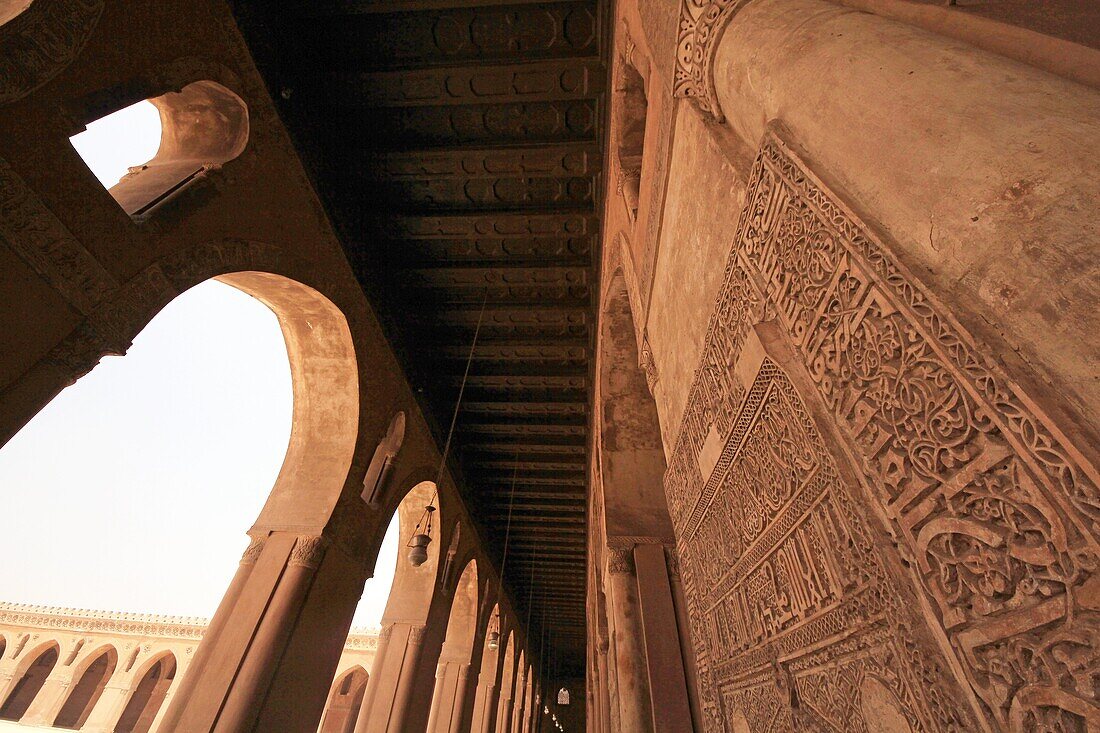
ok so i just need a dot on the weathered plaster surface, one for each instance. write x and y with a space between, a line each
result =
699 226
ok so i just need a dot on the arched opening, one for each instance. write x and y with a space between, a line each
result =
148 695
636 578
632 454
3 647
410 597
342 710
291 461
629 126
449 698
462 621
519 686
89 687
31 678
507 686
484 705
197 130
413 585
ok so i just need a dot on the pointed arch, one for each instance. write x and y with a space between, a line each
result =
414 586
91 676
462 622
507 685
31 673
345 700
152 681
449 697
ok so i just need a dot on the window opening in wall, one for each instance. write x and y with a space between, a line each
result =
148 153
630 122
123 140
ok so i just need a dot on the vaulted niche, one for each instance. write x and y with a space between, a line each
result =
193 131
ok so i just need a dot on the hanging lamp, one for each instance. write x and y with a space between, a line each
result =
422 535
421 538
494 632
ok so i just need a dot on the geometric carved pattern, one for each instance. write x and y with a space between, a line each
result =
978 488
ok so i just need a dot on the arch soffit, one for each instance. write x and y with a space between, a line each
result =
299 298
415 590
29 656
85 660
140 670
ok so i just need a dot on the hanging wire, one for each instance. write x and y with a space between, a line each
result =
461 392
508 526
420 539
542 659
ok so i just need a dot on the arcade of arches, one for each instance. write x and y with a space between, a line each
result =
747 353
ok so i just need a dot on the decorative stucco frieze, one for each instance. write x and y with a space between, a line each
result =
32 231
41 41
992 508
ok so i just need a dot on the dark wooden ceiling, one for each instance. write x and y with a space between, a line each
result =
458 148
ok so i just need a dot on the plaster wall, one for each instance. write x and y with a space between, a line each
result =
700 219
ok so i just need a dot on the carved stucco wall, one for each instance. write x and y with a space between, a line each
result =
874 524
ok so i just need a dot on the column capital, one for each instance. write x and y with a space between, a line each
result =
308 551
252 552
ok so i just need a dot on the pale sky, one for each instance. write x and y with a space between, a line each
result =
133 489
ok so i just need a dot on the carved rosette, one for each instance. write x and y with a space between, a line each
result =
308 551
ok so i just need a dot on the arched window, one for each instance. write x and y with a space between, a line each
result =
563 696
170 142
381 465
